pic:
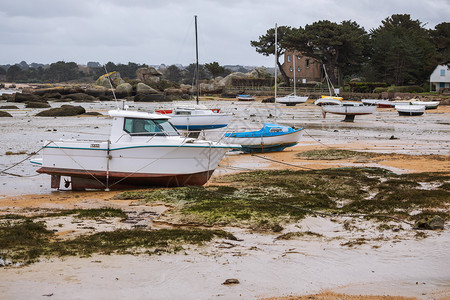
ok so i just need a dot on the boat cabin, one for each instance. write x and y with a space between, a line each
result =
127 124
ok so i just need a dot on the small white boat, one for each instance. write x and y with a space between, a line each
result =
292 100
349 109
143 150
197 117
378 102
245 97
410 109
328 100
427 104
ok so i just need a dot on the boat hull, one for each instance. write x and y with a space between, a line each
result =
427 104
378 102
245 98
291 100
349 110
410 113
200 122
92 179
132 165
263 144
410 110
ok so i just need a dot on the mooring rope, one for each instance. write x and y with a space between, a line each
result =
26 158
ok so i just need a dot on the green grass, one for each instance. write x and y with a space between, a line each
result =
334 154
26 241
265 200
94 213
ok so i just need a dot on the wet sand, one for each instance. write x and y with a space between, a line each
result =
396 264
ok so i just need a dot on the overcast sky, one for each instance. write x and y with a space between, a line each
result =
162 31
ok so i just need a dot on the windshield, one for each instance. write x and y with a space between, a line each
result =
135 126
167 127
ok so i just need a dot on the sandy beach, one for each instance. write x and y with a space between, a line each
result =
328 263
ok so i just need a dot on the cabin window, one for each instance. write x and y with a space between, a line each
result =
135 126
276 130
183 112
442 72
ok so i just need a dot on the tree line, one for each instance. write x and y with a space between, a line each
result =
400 51
69 71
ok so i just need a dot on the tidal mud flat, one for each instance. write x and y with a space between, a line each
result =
271 251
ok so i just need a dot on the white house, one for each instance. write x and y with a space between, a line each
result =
440 78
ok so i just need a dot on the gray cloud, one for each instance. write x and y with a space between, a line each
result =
154 32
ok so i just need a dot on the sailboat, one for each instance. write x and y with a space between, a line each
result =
335 105
271 137
197 117
292 99
325 99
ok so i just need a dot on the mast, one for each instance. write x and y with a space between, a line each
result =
293 60
196 61
276 66
328 81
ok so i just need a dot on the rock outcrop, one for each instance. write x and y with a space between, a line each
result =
19 97
142 88
4 114
145 93
105 79
148 75
96 90
433 223
37 105
63 111
124 90
79 97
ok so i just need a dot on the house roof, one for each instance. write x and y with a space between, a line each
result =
437 76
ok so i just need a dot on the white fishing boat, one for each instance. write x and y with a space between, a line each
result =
349 109
143 150
292 99
427 104
197 117
410 109
271 137
378 102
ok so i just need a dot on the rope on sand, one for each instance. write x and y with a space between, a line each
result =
16 164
